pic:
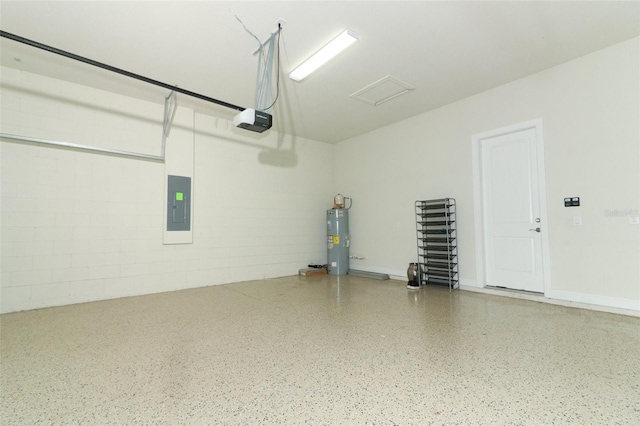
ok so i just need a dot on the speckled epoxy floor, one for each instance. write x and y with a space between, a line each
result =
319 350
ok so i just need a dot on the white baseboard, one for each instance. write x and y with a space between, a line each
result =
563 298
592 299
592 302
468 282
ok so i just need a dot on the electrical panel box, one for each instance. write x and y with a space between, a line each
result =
179 203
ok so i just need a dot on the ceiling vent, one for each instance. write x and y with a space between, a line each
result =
381 91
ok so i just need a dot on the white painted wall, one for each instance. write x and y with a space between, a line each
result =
590 112
78 226
179 161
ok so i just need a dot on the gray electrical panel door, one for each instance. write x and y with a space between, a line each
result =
179 203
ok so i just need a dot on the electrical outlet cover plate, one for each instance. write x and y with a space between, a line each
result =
572 202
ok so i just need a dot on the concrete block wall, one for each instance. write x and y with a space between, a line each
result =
75 226
78 226
261 200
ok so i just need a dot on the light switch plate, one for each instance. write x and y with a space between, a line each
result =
634 220
577 220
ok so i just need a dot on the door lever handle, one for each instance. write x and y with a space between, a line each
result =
535 230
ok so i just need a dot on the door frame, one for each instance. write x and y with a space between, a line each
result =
479 220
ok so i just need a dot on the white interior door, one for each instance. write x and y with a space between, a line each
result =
511 211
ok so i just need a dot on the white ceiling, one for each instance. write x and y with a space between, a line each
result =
447 50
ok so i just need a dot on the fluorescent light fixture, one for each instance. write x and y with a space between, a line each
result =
322 56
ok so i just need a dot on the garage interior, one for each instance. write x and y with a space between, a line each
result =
114 309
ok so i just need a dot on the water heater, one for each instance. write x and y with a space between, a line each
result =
338 240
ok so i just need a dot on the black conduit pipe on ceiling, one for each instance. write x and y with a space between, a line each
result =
116 70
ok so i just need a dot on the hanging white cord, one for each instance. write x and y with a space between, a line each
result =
265 69
169 110
263 89
249 31
169 113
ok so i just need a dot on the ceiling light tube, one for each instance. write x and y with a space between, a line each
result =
322 56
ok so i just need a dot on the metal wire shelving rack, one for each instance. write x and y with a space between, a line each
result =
437 242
